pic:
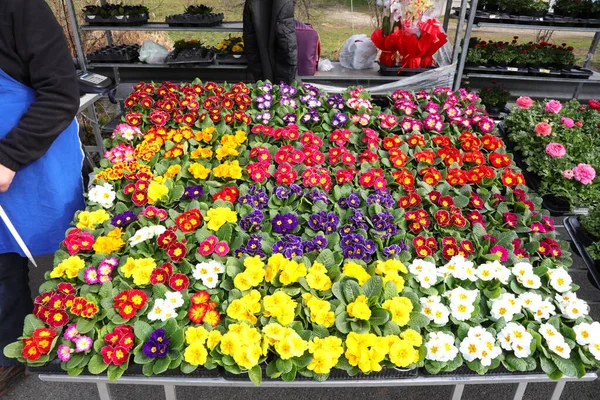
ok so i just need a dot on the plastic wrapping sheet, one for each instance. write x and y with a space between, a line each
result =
441 76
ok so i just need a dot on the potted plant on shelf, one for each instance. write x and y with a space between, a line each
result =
231 50
196 15
190 51
116 14
585 233
494 98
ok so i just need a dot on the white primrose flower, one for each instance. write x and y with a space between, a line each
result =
461 294
493 270
506 305
530 281
461 311
480 344
560 279
430 300
103 195
521 269
161 310
440 314
460 268
574 309
587 333
550 333
530 301
440 347
145 233
174 299
560 348
561 298
516 338
201 270
418 266
595 349
544 310
210 280
216 267
427 280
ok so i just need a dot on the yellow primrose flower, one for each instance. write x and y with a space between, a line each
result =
172 171
199 171
400 307
110 243
413 337
68 268
356 271
403 354
195 354
390 266
90 220
195 334
317 277
281 306
140 269
217 217
214 338
156 191
292 345
359 308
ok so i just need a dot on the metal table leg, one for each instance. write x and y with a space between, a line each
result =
520 391
103 391
458 391
558 389
96 128
170 392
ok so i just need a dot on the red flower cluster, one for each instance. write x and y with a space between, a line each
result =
119 344
179 282
345 175
38 344
229 193
411 200
549 247
285 174
450 248
373 178
424 246
203 310
82 307
168 241
288 155
51 307
337 154
405 178
258 171
139 189
317 176
77 241
311 144
289 132
340 137
417 220
189 220
128 302
161 274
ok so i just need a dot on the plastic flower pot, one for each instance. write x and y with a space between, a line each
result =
133 20
195 19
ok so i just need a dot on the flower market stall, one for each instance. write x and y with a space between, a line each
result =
276 234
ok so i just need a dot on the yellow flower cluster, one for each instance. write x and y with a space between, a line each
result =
196 353
359 308
69 268
317 277
289 270
320 310
280 306
356 271
140 269
400 307
199 171
245 308
90 220
110 243
217 217
205 135
177 135
157 190
172 171
243 343
390 270
286 341
402 352
228 169
326 353
146 150
202 152
252 276
366 350
229 144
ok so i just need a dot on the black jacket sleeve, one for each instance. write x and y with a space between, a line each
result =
40 45
250 42
286 44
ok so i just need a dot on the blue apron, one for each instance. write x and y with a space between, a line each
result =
44 195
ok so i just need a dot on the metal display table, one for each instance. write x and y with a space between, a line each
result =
459 383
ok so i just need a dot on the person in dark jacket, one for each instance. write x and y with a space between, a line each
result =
270 40
40 155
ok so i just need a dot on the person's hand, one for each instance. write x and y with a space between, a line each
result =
6 177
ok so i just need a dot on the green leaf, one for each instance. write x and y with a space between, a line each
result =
351 290
326 258
372 287
31 324
418 320
115 373
96 365
566 366
86 325
336 289
341 323
255 375
320 331
14 350
142 330
379 316
272 371
514 363
225 232
284 366
161 365
390 290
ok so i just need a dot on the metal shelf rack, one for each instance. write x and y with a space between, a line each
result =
594 80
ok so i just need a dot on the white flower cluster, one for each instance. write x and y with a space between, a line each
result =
166 308
589 335
570 306
462 302
514 337
540 308
435 310
146 233
425 272
560 279
493 270
555 340
479 344
525 275
103 195
208 272
440 347
506 305
459 268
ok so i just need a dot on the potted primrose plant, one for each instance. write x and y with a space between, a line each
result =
196 15
116 14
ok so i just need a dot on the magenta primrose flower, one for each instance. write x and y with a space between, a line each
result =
71 332
500 252
64 353
221 249
90 276
83 344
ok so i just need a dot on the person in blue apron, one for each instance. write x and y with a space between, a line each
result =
40 155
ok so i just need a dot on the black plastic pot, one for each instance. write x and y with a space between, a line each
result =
195 20
337 375
464 370
581 240
98 20
200 55
231 59
398 71
115 54
576 73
